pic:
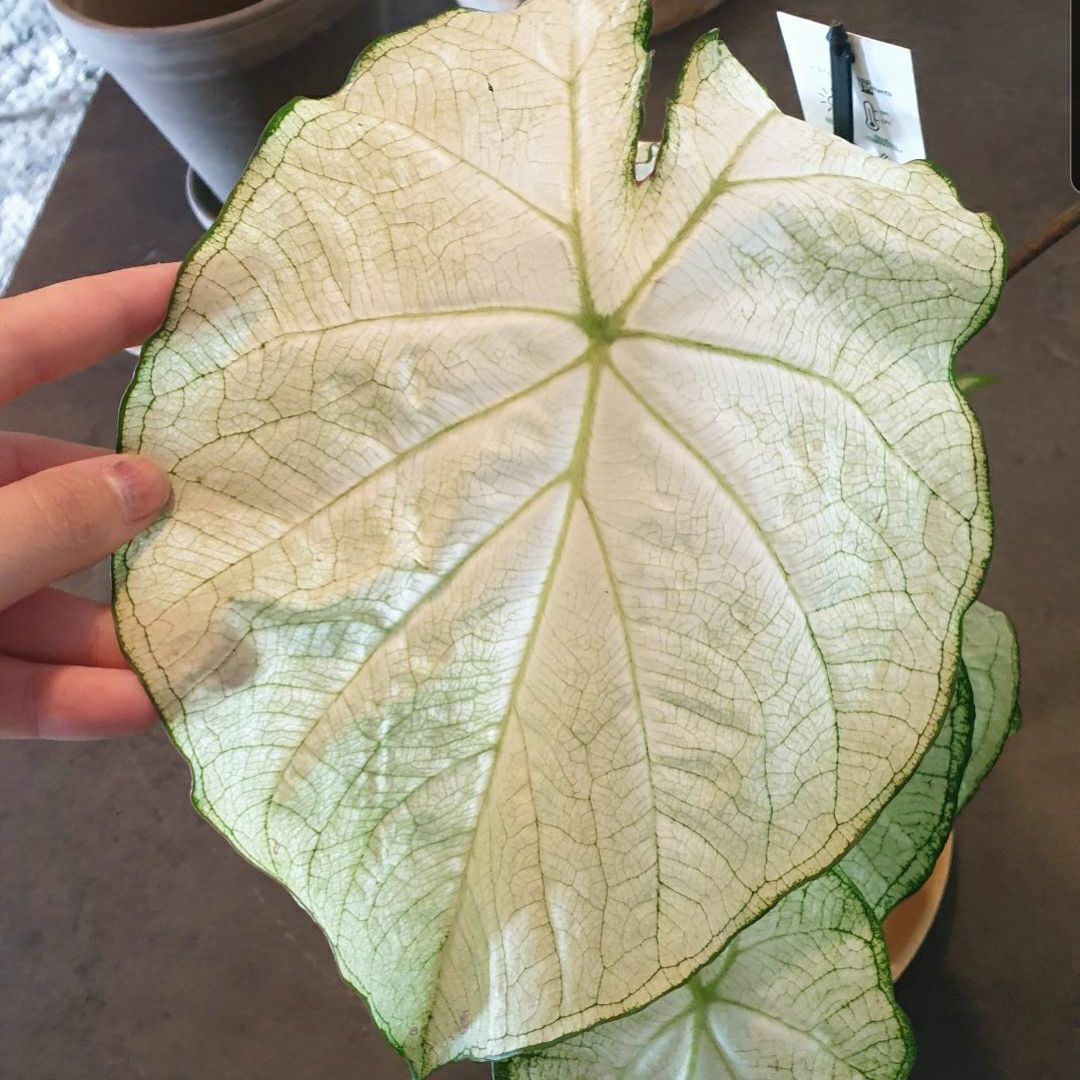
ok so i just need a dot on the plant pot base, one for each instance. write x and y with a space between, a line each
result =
205 205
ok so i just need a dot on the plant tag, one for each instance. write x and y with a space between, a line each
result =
886 107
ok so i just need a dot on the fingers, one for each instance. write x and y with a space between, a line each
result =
24 455
64 328
65 519
65 506
51 701
55 627
62 674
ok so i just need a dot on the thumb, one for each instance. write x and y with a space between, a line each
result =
64 519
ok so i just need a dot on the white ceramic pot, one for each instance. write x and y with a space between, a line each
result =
211 73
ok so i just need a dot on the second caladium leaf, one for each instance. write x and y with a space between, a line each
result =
805 992
992 659
898 852
562 568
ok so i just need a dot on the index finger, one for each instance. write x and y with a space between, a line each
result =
61 329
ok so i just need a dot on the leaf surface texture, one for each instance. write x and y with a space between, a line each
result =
562 568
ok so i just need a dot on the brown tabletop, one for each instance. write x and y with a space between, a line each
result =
135 943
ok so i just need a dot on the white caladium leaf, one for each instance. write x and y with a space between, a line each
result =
562 568
898 852
804 992
992 659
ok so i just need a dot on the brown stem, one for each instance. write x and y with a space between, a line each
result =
1061 226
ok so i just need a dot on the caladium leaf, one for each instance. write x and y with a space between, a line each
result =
993 663
562 568
804 992
897 853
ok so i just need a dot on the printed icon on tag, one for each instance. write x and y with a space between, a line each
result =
875 117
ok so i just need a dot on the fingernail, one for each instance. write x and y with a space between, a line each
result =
142 487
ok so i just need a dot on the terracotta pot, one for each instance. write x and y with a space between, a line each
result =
908 924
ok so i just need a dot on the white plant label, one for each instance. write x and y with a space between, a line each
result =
886 107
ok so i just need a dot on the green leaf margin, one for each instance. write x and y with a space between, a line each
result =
957 730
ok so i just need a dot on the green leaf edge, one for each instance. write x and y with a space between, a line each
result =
960 751
501 1068
989 304
1011 727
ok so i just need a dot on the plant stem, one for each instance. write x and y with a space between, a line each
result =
1060 227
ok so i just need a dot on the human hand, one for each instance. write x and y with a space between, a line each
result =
63 507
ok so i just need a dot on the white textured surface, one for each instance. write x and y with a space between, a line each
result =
44 91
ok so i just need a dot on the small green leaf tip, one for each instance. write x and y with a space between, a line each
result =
970 381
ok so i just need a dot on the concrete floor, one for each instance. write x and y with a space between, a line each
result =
134 943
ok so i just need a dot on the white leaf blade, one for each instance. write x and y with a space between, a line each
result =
350 446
